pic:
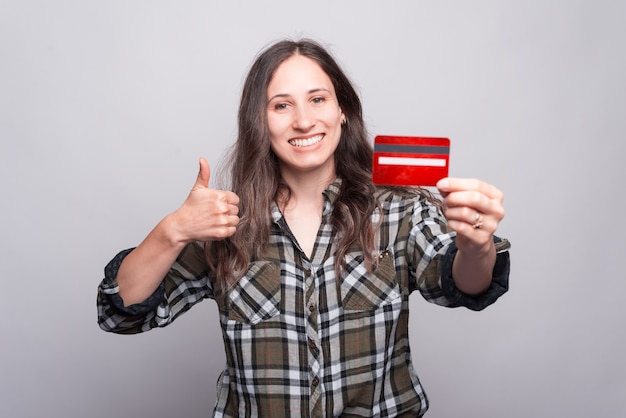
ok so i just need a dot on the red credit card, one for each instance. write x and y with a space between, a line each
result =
410 160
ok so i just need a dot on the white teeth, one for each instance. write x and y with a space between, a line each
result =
306 142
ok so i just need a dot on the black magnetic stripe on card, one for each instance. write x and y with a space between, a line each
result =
411 149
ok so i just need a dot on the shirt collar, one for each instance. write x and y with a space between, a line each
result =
332 191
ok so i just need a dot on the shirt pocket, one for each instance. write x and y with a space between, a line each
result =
257 295
365 291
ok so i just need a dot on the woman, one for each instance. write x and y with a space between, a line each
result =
311 265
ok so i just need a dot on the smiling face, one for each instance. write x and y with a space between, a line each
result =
304 118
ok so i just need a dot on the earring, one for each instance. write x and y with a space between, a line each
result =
343 122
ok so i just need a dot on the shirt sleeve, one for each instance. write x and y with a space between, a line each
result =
433 246
499 281
186 284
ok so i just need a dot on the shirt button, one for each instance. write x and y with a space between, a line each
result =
312 308
315 382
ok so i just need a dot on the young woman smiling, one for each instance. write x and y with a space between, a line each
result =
310 263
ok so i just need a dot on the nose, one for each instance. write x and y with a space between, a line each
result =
303 119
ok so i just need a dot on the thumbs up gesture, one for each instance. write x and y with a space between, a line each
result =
207 214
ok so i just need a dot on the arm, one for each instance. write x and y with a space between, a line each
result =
205 215
472 272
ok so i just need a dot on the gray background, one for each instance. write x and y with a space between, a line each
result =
105 107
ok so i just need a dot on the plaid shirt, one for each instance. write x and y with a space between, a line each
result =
301 342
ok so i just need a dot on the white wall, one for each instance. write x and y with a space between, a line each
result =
105 107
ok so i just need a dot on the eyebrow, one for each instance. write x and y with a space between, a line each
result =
312 91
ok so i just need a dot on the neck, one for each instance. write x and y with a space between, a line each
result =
306 186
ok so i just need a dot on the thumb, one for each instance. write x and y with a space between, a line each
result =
202 182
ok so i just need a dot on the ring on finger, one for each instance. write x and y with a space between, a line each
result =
478 221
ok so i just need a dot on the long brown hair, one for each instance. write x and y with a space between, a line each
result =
256 179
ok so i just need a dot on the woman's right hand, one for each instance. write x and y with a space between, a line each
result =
207 214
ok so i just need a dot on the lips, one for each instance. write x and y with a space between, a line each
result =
306 142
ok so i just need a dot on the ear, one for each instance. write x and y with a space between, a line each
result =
343 119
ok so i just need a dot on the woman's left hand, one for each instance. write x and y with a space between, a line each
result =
473 209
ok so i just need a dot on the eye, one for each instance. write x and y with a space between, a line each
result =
318 99
281 106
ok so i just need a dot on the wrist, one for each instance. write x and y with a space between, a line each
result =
476 251
171 231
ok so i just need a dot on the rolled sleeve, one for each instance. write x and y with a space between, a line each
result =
499 282
110 290
186 284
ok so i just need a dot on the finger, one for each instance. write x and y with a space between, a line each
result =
472 199
226 219
468 216
472 202
465 232
204 174
223 232
227 202
234 210
453 184
226 226
230 198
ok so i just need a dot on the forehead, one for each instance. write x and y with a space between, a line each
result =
296 74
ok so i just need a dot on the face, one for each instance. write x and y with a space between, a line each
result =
304 117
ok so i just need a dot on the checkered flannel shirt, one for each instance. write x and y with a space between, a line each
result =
301 342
